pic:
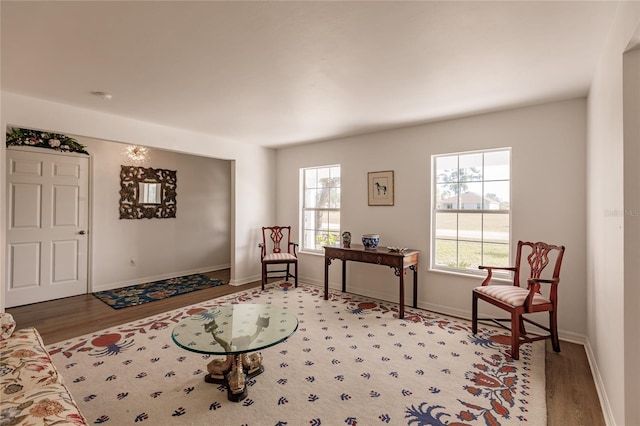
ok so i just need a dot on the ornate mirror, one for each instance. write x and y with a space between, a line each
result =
147 193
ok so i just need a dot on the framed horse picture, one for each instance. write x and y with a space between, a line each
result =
380 188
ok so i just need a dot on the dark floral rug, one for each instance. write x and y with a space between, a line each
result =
148 292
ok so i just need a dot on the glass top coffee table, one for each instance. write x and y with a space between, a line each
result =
237 331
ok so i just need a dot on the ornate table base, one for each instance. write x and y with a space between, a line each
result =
233 372
226 333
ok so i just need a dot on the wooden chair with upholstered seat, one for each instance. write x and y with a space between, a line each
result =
519 301
271 253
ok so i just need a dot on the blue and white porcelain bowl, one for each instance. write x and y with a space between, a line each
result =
370 241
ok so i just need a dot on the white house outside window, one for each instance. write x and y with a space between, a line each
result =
320 207
471 210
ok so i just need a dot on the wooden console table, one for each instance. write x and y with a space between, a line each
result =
399 261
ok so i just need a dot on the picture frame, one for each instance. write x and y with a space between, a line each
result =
380 188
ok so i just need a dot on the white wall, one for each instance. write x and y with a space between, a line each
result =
607 326
196 240
632 232
252 179
254 207
548 198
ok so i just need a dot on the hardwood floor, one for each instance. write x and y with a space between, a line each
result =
74 316
572 398
571 394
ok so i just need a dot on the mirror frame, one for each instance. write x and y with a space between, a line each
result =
130 206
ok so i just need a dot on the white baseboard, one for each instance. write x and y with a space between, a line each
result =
142 280
597 378
245 280
447 310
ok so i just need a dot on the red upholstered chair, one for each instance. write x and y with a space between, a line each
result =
273 254
519 301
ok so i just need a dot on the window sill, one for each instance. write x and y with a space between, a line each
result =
312 253
481 274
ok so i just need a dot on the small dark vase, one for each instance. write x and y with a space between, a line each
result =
346 239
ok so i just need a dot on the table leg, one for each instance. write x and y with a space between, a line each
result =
401 302
414 268
327 262
344 276
233 372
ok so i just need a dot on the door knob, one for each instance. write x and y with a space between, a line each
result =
82 232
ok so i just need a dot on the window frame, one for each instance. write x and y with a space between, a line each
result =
304 209
501 211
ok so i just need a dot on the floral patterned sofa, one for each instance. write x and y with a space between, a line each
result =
31 390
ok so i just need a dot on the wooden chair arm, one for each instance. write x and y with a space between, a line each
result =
505 268
534 283
490 269
295 248
534 287
262 250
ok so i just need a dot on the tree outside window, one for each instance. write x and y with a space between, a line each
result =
471 210
320 207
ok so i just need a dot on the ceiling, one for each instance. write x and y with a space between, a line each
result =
280 73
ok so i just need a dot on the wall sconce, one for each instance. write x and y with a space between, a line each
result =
137 154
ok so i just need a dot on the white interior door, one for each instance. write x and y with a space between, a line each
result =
47 218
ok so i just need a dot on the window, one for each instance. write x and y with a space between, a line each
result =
471 210
320 207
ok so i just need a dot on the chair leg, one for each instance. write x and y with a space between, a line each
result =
523 331
474 312
264 274
296 277
553 325
286 277
516 319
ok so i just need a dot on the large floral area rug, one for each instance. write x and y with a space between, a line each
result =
351 362
156 290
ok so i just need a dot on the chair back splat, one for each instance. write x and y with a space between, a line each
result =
519 301
275 240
